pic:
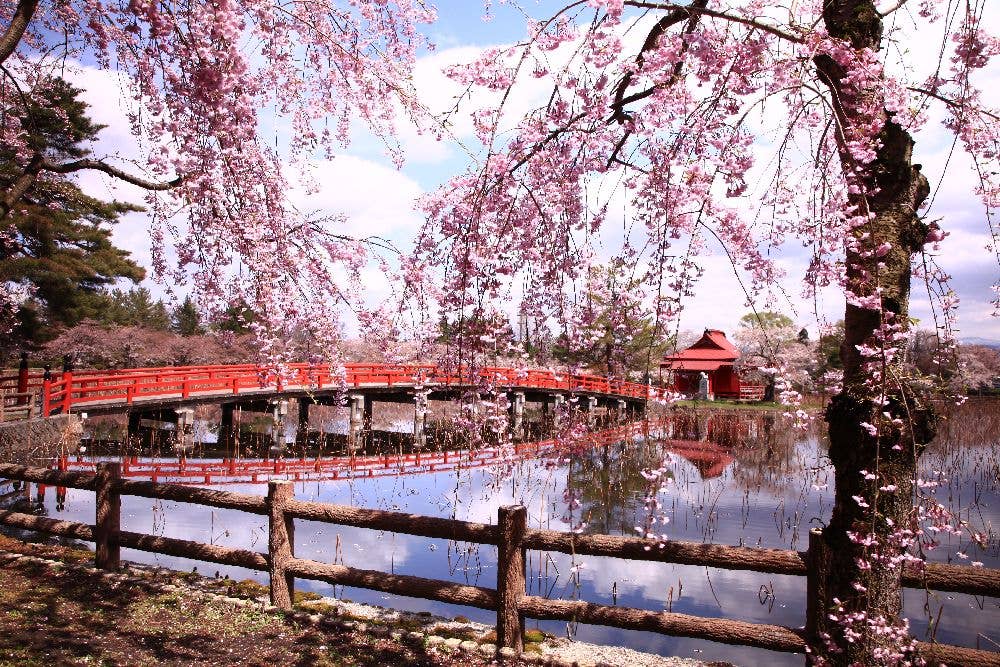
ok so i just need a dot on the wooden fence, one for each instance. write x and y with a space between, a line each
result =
510 535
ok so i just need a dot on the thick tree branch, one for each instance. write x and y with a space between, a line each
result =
18 24
23 183
672 18
97 165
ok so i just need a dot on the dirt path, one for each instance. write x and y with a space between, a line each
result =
71 615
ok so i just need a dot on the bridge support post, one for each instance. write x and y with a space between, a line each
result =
302 432
369 412
517 415
185 429
588 404
554 406
420 420
357 405
278 414
622 406
134 417
227 431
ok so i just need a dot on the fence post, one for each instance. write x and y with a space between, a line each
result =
281 542
511 524
107 553
817 571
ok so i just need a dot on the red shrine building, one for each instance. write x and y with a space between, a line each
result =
712 355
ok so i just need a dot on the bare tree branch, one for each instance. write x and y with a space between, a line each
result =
673 17
777 32
952 103
29 174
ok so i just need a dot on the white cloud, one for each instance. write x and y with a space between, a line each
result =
377 200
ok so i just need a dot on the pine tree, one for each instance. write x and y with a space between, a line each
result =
136 307
186 320
56 243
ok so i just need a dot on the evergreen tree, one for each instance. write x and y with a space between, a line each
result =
136 307
766 320
186 320
236 318
56 243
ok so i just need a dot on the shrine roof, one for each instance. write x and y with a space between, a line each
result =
709 353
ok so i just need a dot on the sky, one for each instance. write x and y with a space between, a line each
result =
379 199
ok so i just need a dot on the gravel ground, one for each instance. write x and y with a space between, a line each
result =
55 609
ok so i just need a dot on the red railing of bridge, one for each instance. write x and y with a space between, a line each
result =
80 389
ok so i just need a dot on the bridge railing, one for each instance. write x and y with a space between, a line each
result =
79 389
510 535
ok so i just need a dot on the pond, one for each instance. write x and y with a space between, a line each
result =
737 478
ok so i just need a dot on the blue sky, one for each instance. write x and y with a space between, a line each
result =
362 183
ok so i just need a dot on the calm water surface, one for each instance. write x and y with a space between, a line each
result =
738 479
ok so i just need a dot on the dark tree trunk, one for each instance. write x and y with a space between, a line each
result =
896 189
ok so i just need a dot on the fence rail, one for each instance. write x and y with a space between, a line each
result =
510 535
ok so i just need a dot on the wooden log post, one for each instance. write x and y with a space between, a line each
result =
281 543
817 569
511 525
107 552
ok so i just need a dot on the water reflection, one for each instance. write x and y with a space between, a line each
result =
741 478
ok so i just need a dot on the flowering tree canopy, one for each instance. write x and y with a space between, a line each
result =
206 79
743 125
751 126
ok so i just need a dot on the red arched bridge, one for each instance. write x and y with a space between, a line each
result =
103 391
167 393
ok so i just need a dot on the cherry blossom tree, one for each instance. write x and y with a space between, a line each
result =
740 126
206 79
671 104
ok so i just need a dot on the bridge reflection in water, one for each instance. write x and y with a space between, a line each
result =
703 440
